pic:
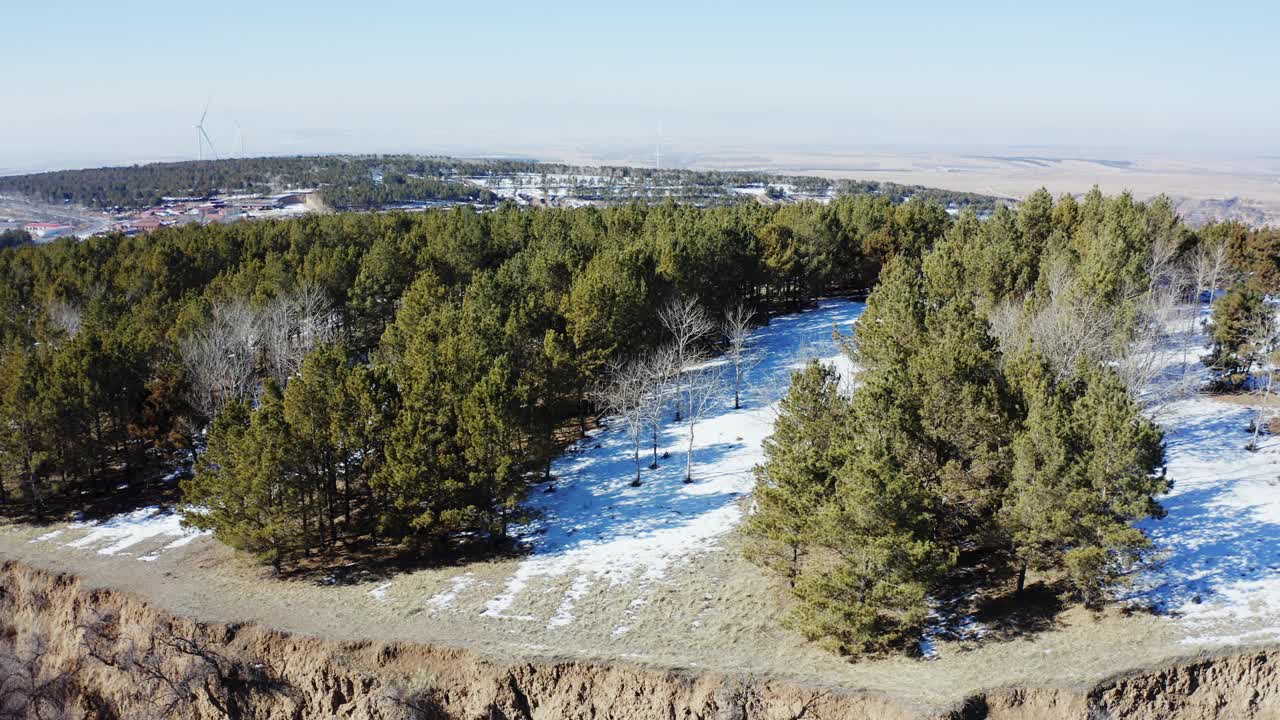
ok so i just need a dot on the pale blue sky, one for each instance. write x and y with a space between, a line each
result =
92 81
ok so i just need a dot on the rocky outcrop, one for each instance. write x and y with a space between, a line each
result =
105 654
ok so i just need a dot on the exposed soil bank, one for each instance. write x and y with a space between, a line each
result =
106 654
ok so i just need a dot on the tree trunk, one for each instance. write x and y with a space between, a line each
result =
1022 576
688 458
1257 420
636 482
654 464
30 471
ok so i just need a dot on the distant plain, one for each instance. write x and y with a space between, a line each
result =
1205 186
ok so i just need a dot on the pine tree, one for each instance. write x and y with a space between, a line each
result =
797 477
245 489
873 559
25 436
310 404
1235 325
490 442
1085 471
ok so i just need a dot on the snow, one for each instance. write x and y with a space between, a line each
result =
380 593
48 536
1219 576
117 534
442 600
1221 564
564 614
599 529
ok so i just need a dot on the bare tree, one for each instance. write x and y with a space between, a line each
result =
223 357
1064 328
293 325
742 357
689 325
172 674
64 315
704 389
36 681
1213 266
625 395
220 357
660 371
1139 355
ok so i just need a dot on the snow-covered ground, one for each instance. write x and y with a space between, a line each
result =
1219 544
122 534
598 529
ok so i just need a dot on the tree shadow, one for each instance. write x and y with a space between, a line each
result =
981 604
1013 615
115 491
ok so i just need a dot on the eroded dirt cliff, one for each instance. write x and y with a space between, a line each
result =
71 651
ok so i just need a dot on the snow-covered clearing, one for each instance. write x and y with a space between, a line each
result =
118 534
600 529
1220 572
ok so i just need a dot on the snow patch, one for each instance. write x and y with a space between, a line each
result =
121 532
47 536
597 526
564 614
380 593
442 600
1219 574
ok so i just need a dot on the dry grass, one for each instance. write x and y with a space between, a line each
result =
715 612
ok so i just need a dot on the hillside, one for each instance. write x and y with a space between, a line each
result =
652 575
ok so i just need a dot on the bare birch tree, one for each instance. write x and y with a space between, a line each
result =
660 371
742 357
704 389
625 395
1264 336
293 325
1216 269
65 316
689 325
220 357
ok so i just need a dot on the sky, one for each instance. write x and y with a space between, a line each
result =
91 82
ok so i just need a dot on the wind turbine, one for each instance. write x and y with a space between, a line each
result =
658 150
202 137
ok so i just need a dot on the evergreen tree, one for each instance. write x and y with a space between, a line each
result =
797 478
1085 470
1240 320
26 436
490 442
245 489
873 559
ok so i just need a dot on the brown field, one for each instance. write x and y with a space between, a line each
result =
1205 186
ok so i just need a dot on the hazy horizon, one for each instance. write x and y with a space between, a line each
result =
93 85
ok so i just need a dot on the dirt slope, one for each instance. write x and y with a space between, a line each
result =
120 657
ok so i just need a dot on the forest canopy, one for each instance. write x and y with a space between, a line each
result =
366 182
394 378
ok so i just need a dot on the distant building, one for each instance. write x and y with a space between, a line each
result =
146 224
47 231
